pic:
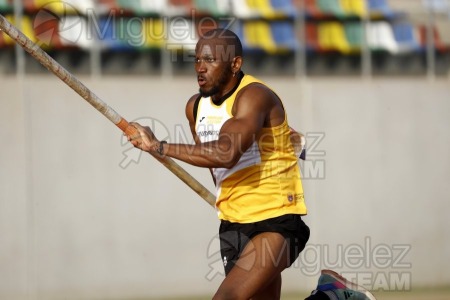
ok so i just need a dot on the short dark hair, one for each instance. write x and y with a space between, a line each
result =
227 36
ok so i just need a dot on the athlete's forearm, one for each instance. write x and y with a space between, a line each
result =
206 155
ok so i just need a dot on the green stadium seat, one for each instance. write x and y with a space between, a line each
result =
355 35
5 6
215 8
332 7
132 7
140 7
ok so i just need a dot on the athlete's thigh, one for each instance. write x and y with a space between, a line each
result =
261 261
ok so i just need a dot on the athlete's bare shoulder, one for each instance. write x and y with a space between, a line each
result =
256 92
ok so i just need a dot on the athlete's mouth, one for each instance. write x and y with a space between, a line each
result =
201 80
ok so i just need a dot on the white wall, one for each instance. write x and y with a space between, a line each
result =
74 223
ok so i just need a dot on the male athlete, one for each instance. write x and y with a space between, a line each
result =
242 134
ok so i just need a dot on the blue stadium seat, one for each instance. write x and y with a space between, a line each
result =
113 36
285 6
283 33
406 37
381 9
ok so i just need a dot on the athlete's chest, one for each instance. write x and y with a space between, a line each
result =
210 119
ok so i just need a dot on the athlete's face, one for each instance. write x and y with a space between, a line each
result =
213 68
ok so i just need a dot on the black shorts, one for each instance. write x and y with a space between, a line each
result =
235 236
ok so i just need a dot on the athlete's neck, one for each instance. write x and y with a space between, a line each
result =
218 100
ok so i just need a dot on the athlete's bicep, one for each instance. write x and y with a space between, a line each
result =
250 112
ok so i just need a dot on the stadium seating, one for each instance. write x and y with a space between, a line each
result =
332 8
284 36
180 7
264 26
312 38
184 38
439 45
150 8
3 43
5 6
354 8
215 8
406 37
380 37
286 7
114 36
153 34
25 25
380 9
57 7
267 9
257 37
75 33
132 7
312 10
241 10
154 6
355 35
332 38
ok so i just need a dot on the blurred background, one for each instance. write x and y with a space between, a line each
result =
85 216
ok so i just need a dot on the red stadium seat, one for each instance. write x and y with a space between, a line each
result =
439 45
312 37
312 10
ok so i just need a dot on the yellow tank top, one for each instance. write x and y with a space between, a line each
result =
265 183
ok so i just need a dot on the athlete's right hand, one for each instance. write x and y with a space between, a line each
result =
144 139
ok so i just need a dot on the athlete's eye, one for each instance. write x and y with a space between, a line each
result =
208 60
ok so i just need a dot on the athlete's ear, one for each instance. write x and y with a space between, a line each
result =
236 64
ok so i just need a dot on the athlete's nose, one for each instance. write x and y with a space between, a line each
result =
200 67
